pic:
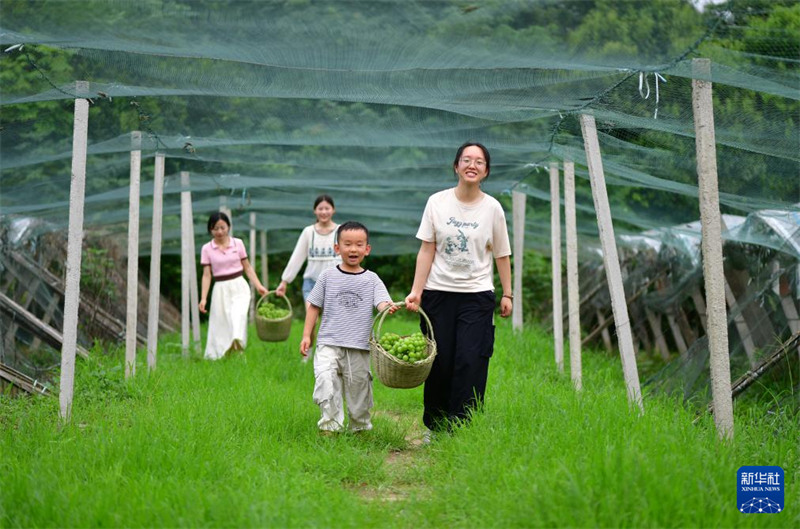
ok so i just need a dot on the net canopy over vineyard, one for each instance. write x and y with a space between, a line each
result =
269 103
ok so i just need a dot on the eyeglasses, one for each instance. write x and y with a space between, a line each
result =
478 163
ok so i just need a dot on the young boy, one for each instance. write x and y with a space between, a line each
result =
346 296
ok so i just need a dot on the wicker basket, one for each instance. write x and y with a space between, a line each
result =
392 371
273 330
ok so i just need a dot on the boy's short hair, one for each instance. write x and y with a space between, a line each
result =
351 225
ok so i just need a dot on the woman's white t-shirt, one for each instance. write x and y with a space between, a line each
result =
468 237
318 249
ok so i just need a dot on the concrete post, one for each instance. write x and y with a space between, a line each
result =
555 252
611 260
77 192
518 226
132 297
154 301
573 292
711 246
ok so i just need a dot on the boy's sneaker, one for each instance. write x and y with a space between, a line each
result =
359 431
428 437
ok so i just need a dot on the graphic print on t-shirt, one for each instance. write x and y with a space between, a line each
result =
320 252
321 248
456 244
456 247
348 299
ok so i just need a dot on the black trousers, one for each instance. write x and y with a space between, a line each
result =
464 331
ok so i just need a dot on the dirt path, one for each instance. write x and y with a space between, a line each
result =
400 464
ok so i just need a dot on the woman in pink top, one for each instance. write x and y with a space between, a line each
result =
225 259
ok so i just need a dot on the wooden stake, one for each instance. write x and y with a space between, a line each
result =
792 318
601 320
38 328
676 333
741 325
50 310
787 303
687 332
589 295
655 327
604 322
640 327
700 306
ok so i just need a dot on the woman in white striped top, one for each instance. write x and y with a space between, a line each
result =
314 244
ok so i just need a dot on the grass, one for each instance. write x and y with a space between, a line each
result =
234 444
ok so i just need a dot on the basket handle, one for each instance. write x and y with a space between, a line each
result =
286 299
382 316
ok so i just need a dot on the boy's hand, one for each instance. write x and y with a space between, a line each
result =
305 344
388 306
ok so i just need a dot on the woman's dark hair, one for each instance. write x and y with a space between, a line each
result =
486 155
216 217
323 198
352 225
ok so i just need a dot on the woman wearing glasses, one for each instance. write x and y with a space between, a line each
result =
462 230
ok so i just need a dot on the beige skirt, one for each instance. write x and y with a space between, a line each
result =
227 317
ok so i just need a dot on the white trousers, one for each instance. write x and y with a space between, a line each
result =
341 375
227 316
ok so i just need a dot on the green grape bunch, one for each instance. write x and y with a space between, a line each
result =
271 312
410 349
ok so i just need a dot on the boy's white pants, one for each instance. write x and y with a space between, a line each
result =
342 374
